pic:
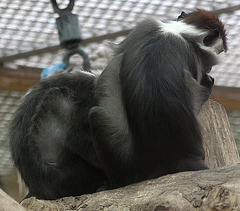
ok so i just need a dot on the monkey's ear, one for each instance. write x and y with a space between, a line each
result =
211 37
182 16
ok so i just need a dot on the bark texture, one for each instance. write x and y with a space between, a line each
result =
213 189
218 142
8 204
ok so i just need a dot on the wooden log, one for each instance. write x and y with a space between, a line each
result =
213 189
8 204
218 142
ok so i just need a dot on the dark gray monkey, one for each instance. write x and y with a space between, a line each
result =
145 124
50 138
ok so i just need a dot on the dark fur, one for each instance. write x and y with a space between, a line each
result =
149 96
50 138
144 126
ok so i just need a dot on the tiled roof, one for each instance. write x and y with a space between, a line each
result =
27 25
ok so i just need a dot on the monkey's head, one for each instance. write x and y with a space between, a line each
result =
216 34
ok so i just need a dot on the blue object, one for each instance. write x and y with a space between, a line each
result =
57 67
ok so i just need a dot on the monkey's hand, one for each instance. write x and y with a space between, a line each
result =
207 83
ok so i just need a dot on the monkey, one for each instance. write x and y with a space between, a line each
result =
50 140
148 97
55 134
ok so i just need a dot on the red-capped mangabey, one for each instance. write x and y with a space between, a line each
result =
145 124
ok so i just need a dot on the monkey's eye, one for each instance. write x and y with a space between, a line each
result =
182 16
209 39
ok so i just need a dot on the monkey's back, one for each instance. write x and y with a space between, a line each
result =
50 137
152 119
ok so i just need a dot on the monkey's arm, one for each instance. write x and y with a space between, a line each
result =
112 145
199 92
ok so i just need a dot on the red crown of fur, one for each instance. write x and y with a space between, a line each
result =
206 20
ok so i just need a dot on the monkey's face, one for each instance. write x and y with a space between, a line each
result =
214 40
